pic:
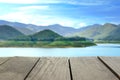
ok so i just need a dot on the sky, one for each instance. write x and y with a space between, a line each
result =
72 13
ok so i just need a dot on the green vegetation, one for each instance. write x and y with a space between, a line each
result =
22 43
70 39
45 44
71 44
56 42
45 35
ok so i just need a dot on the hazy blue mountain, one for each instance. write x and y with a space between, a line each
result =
8 32
62 30
29 29
19 26
88 27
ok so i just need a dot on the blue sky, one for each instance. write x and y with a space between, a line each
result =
74 13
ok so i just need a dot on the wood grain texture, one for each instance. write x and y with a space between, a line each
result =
51 69
113 63
16 68
3 60
90 68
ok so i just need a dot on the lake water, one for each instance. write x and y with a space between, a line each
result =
99 50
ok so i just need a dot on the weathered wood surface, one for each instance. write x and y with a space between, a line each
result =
113 63
90 69
56 68
16 68
51 69
3 60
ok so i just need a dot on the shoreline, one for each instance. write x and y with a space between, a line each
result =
46 44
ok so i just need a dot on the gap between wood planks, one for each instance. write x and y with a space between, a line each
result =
32 68
117 75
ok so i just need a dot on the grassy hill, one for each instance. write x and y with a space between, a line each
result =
45 35
114 35
8 32
103 32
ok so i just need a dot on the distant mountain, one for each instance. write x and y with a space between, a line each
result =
107 31
114 35
45 35
97 32
62 30
29 29
19 26
8 32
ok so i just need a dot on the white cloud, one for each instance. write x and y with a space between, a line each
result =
82 24
33 8
74 2
19 1
31 1
88 2
38 19
15 16
26 15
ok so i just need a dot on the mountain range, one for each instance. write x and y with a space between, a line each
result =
29 29
107 31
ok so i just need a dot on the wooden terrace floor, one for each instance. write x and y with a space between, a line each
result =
60 68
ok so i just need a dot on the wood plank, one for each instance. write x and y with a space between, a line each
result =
3 60
51 69
113 63
16 68
90 68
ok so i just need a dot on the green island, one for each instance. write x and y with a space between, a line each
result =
46 44
46 38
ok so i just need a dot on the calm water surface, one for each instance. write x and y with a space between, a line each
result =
99 50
